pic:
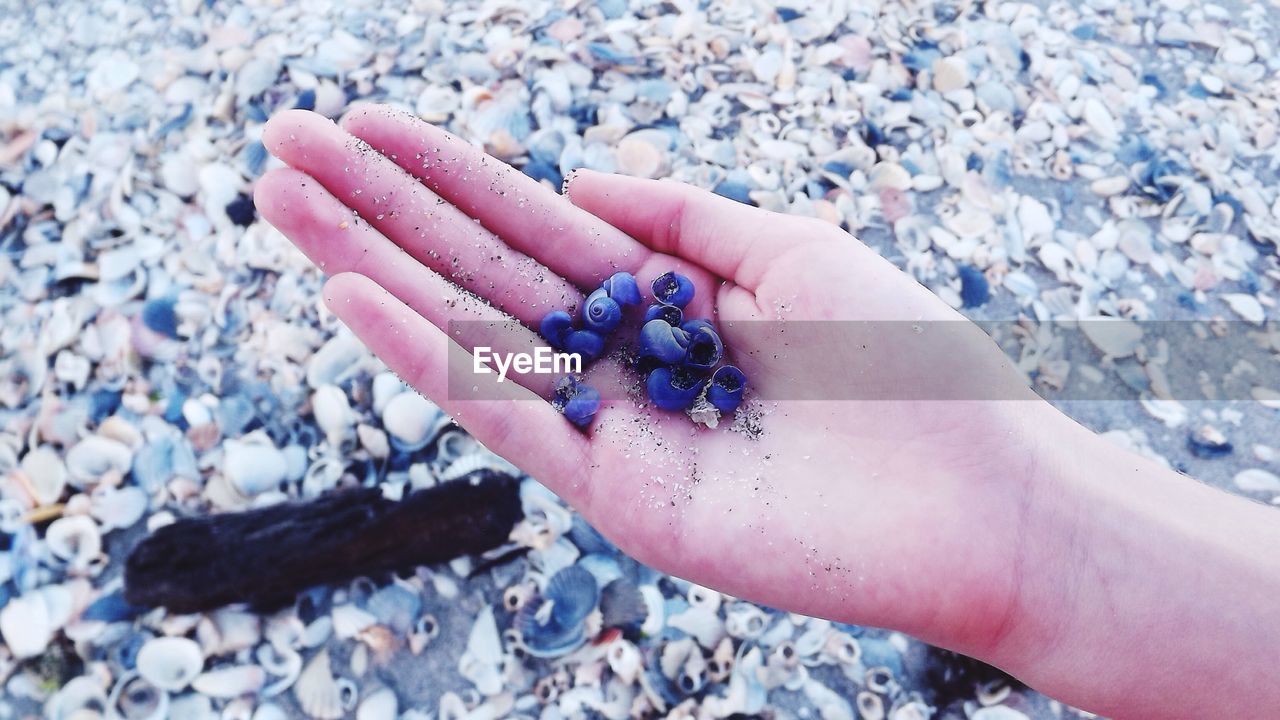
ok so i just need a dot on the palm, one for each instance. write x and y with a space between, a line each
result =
801 514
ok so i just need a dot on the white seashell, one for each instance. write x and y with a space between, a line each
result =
913 710
437 102
1116 338
22 376
890 176
624 660
335 361
386 385
481 661
997 712
950 74
1100 120
452 445
333 413
82 698
674 655
282 661
136 699
26 625
702 623
411 419
95 456
1246 306
1257 480
1108 186
1267 397
829 704
74 539
230 682
970 222
316 690
870 706
349 620
119 508
269 711
1170 412
643 153
703 597
379 705
253 466
47 474
228 630
170 663
373 440
317 633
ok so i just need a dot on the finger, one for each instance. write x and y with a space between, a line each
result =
520 426
735 241
430 230
528 216
336 241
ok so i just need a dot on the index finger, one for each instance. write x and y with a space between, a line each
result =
528 216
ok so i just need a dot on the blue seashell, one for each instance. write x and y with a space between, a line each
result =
674 388
734 190
306 100
1154 81
1085 32
396 607
673 289
241 211
103 403
691 326
540 170
551 631
670 314
153 466
600 312
159 316
663 342
587 539
604 567
555 327
974 288
581 408
585 343
621 287
705 349
254 156
126 653
112 608
727 386
1207 444
575 594
622 606
879 652
610 54
177 122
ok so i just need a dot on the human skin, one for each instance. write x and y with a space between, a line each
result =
998 528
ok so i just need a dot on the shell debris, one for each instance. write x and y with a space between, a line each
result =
163 352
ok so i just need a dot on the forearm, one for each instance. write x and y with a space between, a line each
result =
1142 593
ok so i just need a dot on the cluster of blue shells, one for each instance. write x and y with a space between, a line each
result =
680 359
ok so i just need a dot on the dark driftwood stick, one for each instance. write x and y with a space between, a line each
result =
265 557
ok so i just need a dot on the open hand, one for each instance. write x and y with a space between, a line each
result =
896 513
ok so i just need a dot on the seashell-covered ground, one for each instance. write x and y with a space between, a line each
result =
164 353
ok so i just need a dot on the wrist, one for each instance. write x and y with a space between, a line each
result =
1126 565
